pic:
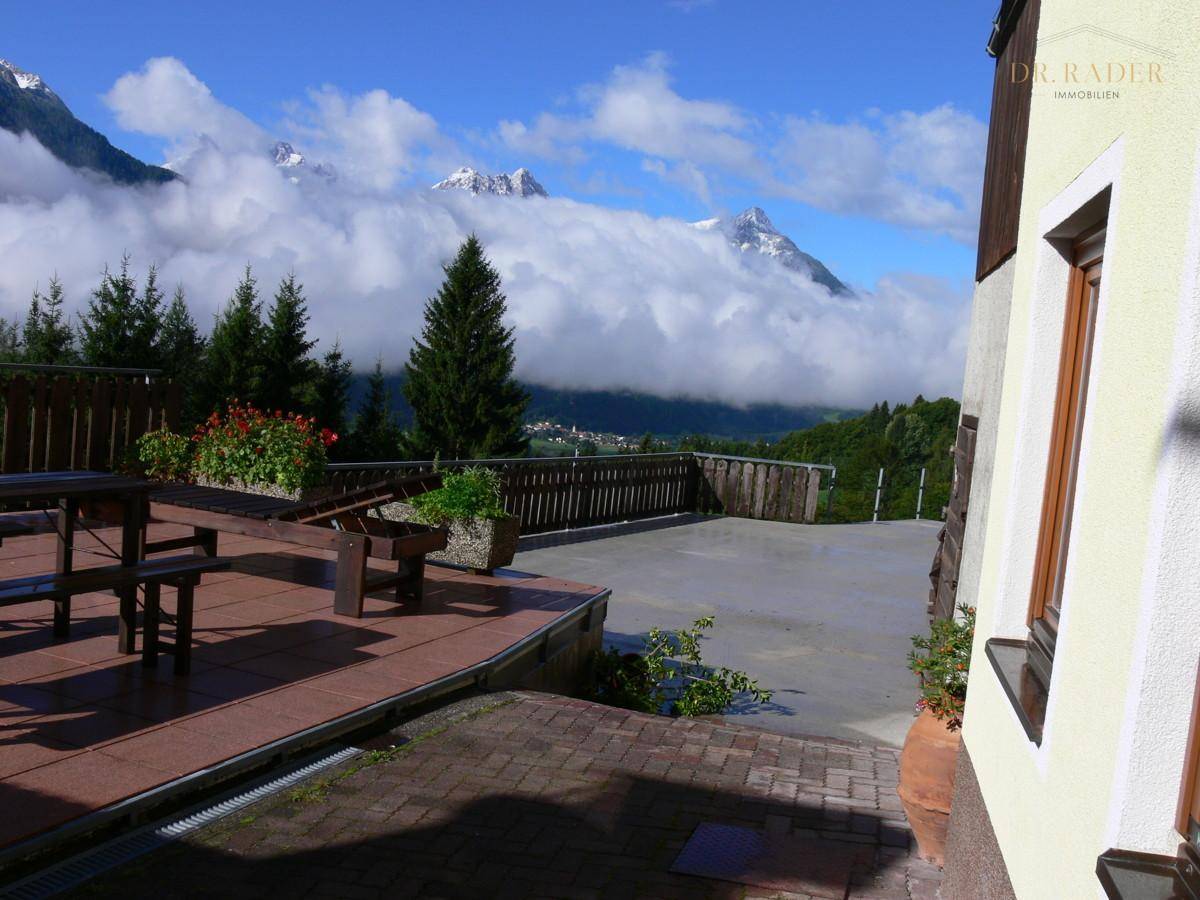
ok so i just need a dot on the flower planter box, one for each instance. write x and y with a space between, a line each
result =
304 495
478 544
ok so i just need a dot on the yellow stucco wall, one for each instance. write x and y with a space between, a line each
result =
1050 806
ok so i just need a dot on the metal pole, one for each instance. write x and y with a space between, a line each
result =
878 488
921 492
829 495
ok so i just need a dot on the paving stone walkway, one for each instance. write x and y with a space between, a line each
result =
533 795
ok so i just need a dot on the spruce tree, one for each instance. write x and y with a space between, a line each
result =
331 397
376 435
111 321
10 342
288 372
233 363
147 324
181 351
465 400
47 336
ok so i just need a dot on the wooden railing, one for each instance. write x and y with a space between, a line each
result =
550 494
758 488
79 418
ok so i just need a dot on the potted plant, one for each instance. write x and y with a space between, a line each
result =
483 536
247 450
942 660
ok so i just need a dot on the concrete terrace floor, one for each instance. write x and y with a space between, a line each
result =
530 795
821 614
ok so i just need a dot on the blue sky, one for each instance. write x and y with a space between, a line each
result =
474 65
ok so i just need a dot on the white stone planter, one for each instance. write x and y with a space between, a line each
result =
306 495
482 544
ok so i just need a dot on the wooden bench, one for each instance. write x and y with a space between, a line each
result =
342 523
13 529
181 572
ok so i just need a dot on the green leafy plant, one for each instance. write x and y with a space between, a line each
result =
470 493
165 456
670 675
943 661
253 447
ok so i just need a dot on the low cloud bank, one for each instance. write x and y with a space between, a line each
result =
599 298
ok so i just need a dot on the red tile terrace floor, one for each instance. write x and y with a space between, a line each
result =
83 727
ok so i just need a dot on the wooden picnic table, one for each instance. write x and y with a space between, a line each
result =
122 500
68 490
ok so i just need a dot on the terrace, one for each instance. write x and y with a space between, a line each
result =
93 743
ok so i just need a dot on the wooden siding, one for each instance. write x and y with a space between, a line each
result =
944 592
1007 134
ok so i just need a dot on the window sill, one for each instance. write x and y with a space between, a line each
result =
1126 875
1025 690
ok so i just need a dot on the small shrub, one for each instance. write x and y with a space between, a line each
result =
251 446
471 493
670 676
165 456
944 666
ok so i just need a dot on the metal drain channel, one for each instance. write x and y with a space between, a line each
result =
119 850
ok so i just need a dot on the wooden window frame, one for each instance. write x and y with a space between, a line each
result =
1062 466
1187 815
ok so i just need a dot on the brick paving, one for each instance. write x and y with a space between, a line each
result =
544 796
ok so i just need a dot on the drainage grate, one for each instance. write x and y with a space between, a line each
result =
90 863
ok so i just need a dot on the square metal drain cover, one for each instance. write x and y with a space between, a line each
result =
792 863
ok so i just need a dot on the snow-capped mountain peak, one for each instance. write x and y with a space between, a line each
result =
753 230
26 81
288 157
520 183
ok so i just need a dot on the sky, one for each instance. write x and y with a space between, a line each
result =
858 127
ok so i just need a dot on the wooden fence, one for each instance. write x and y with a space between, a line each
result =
758 488
66 421
557 493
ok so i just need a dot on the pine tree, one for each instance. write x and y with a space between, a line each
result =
376 435
288 372
11 350
147 324
111 320
47 336
465 401
181 351
233 363
331 396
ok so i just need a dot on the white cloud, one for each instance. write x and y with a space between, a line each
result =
599 298
637 109
915 170
166 100
920 170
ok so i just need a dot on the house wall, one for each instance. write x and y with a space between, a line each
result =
1108 768
981 393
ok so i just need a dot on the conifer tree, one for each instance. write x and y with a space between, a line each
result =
465 400
147 324
331 396
376 435
111 320
47 335
181 351
233 363
10 341
288 372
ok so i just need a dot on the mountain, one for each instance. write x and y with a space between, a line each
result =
633 414
520 183
289 158
28 104
752 230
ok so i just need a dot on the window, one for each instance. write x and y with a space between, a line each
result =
1054 537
